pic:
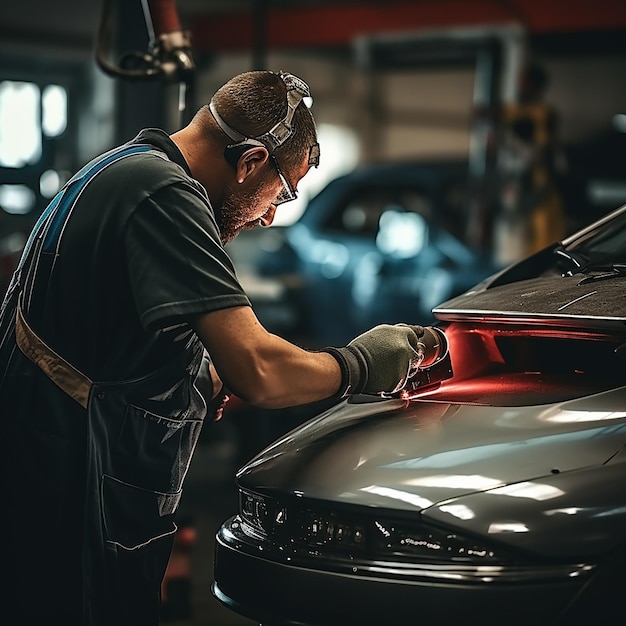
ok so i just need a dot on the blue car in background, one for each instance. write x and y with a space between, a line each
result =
383 243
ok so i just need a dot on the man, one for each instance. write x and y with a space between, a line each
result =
119 326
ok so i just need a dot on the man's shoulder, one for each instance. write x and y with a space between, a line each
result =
141 171
163 146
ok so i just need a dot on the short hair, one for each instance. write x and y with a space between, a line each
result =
253 102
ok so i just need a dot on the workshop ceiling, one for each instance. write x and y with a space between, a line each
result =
315 23
226 25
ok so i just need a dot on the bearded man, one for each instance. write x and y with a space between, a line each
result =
124 326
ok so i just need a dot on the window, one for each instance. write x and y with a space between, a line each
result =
34 142
20 127
30 116
360 213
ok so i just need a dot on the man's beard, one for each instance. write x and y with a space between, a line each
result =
237 213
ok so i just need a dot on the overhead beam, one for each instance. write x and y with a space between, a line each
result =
340 25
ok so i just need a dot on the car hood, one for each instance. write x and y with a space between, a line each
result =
457 463
364 451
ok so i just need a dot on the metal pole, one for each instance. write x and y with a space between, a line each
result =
259 47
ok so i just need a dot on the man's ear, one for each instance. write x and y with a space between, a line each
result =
250 162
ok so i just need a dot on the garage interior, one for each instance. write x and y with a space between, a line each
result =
403 80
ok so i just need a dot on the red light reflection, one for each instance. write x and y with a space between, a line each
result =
483 374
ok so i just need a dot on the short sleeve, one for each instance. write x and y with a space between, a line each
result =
177 265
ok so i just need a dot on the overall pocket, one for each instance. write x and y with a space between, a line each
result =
133 517
153 451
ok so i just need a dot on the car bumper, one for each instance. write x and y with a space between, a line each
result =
256 579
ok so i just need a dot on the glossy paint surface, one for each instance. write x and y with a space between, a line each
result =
535 477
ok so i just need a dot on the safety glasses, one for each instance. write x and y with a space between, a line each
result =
287 193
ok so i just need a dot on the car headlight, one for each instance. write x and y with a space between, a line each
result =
381 543
371 532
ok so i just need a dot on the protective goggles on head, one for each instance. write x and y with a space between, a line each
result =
297 92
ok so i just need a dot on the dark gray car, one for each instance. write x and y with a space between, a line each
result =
494 492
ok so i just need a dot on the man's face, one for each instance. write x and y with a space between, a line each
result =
243 210
240 211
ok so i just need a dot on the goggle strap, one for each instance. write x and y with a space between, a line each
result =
231 132
297 90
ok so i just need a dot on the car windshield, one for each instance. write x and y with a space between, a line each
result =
600 248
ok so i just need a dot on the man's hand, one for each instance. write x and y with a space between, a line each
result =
382 359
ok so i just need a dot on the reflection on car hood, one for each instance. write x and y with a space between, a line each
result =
412 456
568 300
517 472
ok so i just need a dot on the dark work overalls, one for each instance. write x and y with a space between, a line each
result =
140 438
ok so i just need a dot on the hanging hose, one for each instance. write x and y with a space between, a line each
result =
169 56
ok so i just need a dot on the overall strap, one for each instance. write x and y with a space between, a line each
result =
45 238
50 224
64 375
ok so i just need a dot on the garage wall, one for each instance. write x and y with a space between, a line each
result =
396 115
587 91
427 113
